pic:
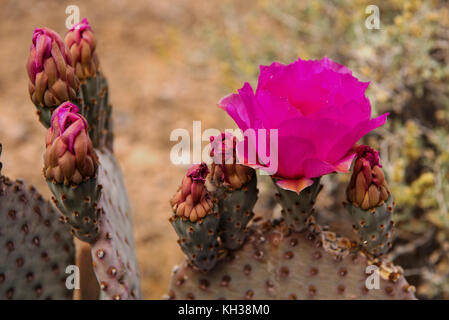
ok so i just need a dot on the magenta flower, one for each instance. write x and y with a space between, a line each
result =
320 111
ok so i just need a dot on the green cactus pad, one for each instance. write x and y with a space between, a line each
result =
113 253
235 208
296 209
199 239
78 205
275 264
375 226
96 109
35 248
44 115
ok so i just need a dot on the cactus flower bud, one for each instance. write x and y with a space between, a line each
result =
193 201
225 169
52 78
69 156
82 43
368 188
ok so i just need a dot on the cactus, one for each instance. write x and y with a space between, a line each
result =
70 166
278 260
94 90
297 208
79 165
276 263
235 187
196 220
113 253
35 247
294 257
321 113
52 78
370 203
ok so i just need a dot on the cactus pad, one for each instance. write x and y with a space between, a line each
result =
236 210
35 247
199 239
113 253
375 226
278 264
296 209
78 204
96 109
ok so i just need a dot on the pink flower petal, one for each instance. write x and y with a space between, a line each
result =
235 107
344 165
319 109
295 185
346 143
316 168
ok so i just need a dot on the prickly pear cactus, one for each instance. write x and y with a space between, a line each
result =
279 264
199 240
370 203
79 166
78 203
95 99
52 79
94 91
70 168
196 220
35 247
236 211
113 253
236 191
375 227
297 208
293 257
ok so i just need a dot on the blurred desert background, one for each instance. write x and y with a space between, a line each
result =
169 62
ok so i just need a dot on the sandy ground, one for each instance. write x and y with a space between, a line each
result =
166 66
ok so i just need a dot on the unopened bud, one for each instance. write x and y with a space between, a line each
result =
52 78
69 156
82 43
368 187
225 169
192 200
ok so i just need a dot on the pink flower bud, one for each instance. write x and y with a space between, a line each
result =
69 156
225 169
82 43
368 187
193 201
52 79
